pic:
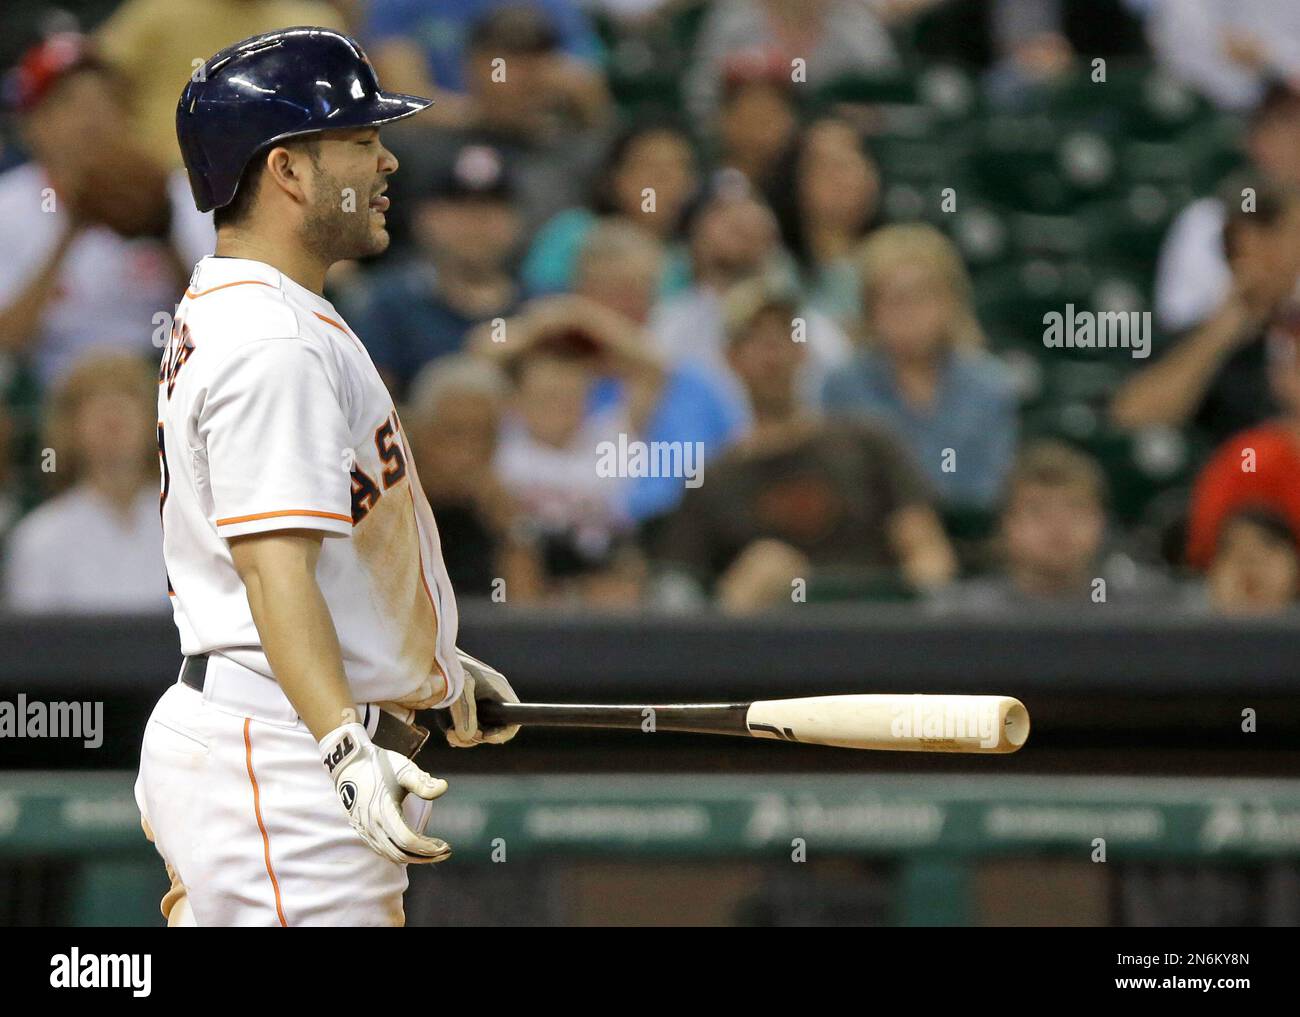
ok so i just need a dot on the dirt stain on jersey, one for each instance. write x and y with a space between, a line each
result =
388 543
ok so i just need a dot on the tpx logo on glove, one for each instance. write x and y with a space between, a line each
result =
348 794
341 752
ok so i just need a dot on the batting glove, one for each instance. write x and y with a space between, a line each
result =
482 683
372 783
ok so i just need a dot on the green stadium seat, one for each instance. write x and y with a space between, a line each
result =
888 87
830 584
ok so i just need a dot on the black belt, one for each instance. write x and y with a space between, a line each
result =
390 733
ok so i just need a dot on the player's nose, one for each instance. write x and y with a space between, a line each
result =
387 161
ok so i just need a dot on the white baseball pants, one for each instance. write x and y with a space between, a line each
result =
246 818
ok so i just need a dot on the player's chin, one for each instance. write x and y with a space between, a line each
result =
377 238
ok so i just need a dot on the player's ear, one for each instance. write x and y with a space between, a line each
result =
287 168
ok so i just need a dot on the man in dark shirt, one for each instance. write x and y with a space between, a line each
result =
467 231
1216 377
798 496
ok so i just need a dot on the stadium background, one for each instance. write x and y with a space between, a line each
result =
1066 187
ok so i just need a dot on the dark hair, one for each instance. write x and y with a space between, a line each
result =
1279 98
1270 207
515 28
1272 524
603 201
1049 462
241 205
782 190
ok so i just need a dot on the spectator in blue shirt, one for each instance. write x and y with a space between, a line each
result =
920 369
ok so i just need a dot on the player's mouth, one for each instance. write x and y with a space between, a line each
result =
379 203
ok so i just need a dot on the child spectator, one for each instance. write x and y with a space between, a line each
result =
920 367
1052 542
1256 566
636 392
547 462
97 546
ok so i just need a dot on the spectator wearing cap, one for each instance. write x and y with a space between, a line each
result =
1256 469
734 238
648 180
1193 276
519 99
96 547
466 233
1051 546
920 367
155 45
421 47
832 37
100 236
798 498
1216 377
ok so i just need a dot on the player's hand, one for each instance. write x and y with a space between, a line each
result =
372 782
482 683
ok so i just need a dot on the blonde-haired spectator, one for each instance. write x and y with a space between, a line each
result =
920 366
96 547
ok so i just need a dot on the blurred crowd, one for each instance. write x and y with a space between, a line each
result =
666 323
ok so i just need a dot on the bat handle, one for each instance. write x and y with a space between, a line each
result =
493 714
490 714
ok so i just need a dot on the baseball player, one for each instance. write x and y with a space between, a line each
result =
315 614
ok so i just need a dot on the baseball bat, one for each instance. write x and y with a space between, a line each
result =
893 723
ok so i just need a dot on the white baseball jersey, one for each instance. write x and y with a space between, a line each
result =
272 416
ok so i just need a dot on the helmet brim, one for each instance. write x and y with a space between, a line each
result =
382 108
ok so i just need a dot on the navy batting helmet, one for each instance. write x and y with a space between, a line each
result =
279 85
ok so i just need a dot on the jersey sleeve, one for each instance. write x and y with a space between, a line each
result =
277 442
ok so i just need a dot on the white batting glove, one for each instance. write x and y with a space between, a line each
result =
372 782
482 683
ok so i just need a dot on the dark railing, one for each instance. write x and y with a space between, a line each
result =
1108 692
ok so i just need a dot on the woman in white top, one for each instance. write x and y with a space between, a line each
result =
96 547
